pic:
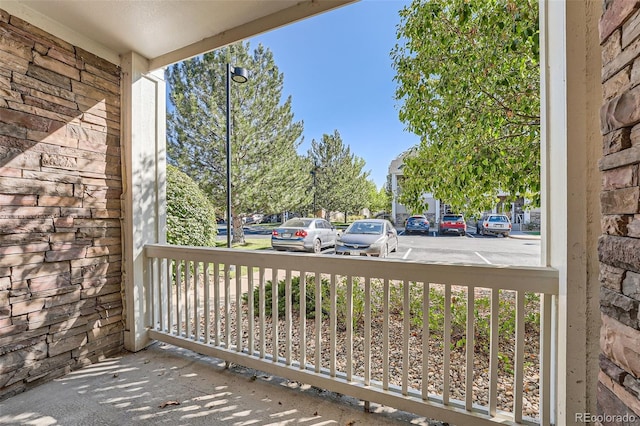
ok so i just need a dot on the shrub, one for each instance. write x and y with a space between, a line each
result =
191 218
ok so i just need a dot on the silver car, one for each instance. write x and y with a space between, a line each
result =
368 237
304 234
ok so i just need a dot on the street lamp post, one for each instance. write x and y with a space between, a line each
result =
239 75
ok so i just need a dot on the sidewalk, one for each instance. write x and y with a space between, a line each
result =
167 385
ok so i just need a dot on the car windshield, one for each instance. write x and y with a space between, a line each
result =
416 219
498 219
297 223
365 228
451 218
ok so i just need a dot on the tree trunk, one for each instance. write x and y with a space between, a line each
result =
238 231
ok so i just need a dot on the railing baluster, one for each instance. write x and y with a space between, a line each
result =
207 304
250 310
274 312
446 353
162 283
318 322
468 396
545 359
187 304
150 320
238 308
216 303
287 307
303 320
261 313
367 331
385 335
334 325
519 358
349 325
406 333
425 340
196 301
493 353
179 297
227 305
170 286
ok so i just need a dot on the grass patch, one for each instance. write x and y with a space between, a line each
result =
249 244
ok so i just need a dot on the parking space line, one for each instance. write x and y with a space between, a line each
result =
406 254
482 257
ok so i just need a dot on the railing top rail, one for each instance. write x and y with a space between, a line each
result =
538 279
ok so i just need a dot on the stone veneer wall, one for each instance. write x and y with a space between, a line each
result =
60 187
619 246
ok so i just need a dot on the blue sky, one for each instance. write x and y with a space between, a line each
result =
337 69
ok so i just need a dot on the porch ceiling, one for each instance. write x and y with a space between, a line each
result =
163 31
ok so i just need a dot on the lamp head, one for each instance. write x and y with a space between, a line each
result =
239 75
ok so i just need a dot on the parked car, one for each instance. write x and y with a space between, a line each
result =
304 234
497 224
416 223
368 237
452 223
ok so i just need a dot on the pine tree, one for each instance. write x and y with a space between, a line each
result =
267 174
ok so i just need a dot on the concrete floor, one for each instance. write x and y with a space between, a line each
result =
167 385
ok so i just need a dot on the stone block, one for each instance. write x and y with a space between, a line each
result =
25 272
64 57
32 186
50 282
621 111
621 177
22 119
609 404
21 340
631 285
616 373
633 228
14 360
18 200
619 306
99 82
24 248
72 254
92 61
49 77
46 200
617 84
11 226
620 201
96 94
37 35
613 17
621 252
67 344
58 67
22 212
631 29
13 62
621 344
41 86
615 224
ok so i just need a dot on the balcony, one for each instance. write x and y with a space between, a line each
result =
357 327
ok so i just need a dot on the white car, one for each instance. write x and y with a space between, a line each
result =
497 224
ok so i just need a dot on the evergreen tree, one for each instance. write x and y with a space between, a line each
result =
341 182
267 174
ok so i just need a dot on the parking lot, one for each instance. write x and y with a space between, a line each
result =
519 250
488 250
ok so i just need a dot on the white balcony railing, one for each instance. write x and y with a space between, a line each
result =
459 343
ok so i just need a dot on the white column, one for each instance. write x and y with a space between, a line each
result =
143 199
571 146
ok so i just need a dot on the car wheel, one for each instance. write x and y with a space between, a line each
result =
506 234
463 233
317 246
482 231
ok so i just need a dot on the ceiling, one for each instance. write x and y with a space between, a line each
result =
163 31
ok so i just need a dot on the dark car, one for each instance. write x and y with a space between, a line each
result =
416 223
452 224
304 234
497 224
368 237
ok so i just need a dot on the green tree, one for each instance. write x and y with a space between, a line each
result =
267 174
341 182
379 199
191 219
467 74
